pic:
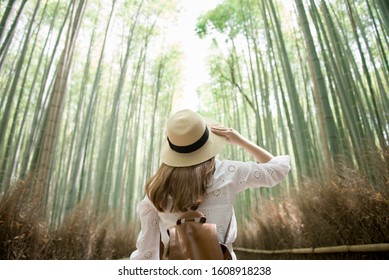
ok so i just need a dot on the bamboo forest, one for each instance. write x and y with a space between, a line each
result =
86 88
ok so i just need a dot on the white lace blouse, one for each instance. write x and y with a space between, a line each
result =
230 178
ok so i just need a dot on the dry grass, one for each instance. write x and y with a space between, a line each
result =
345 210
24 234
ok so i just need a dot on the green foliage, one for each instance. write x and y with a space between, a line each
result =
224 18
318 80
99 146
54 10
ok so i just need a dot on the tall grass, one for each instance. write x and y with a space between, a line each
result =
24 233
343 210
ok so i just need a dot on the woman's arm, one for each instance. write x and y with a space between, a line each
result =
235 138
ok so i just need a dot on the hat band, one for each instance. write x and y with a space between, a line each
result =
192 147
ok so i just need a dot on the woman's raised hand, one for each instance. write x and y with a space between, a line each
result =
234 137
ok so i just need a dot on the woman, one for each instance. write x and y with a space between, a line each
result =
191 176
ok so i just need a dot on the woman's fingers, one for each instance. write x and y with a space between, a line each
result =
222 131
230 134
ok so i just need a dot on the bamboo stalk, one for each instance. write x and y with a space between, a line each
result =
380 247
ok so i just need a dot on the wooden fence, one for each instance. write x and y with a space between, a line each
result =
364 251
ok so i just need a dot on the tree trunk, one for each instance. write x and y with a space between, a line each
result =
54 113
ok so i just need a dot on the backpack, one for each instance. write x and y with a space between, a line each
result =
193 239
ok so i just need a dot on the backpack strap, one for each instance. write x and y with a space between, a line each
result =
191 216
161 247
194 207
228 230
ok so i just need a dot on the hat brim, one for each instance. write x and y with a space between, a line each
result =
210 149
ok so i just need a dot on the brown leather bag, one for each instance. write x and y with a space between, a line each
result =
194 239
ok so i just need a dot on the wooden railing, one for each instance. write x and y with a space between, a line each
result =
380 247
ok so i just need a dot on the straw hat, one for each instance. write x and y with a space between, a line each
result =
190 140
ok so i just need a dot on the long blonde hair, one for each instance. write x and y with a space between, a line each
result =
186 186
